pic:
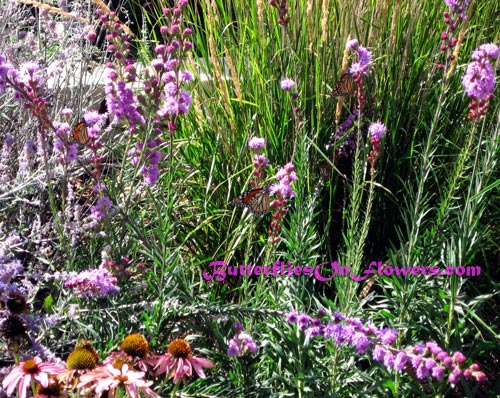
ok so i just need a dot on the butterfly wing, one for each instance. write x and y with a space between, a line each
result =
255 200
80 133
344 86
259 204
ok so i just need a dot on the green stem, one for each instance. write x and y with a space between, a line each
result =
174 391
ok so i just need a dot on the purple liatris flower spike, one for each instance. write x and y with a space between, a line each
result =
453 17
283 191
241 344
256 143
479 80
287 84
421 361
377 131
387 335
283 20
361 67
101 210
457 7
286 176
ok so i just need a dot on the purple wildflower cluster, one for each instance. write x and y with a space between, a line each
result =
359 69
427 360
102 281
458 9
282 190
25 81
257 144
452 18
16 323
92 283
241 344
479 80
376 131
288 84
162 83
364 57
282 11
68 152
348 144
102 209
167 66
10 267
30 90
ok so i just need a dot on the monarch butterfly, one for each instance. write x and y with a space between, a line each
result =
255 200
344 86
80 134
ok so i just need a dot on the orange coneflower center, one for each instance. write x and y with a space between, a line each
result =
179 349
30 366
118 363
52 390
13 327
16 303
135 345
121 378
82 357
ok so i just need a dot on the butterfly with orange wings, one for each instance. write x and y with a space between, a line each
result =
80 134
255 200
345 86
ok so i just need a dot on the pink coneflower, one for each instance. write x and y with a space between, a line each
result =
109 378
23 373
135 352
178 362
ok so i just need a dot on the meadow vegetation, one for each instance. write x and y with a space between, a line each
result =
138 147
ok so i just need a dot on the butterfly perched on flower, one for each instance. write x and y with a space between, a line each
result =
80 134
255 200
344 86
